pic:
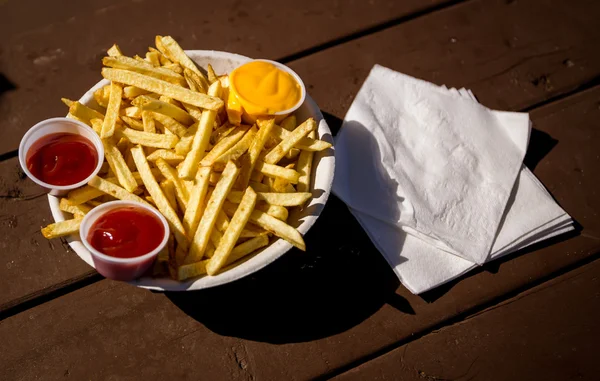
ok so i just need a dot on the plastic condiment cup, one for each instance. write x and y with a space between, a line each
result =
54 126
280 115
121 268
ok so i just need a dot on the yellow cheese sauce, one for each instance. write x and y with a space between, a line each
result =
264 89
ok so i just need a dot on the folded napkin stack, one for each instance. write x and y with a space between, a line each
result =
437 180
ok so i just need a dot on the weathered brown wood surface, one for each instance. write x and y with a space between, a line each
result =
541 334
338 306
53 49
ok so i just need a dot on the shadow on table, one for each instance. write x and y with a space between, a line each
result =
540 145
339 282
5 85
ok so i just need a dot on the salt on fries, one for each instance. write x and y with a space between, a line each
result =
173 139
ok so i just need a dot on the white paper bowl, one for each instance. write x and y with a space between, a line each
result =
322 178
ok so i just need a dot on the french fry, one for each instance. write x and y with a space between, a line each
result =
276 211
293 153
239 148
222 221
168 189
76 210
288 143
223 145
145 68
114 51
281 199
306 143
170 173
114 190
221 132
62 228
131 92
112 112
189 167
191 270
196 202
161 57
170 124
166 99
184 145
251 157
169 156
82 195
159 198
133 123
152 57
193 85
231 235
304 168
212 76
132 112
149 139
240 251
273 225
272 170
118 165
282 185
215 237
69 102
257 177
194 111
198 81
247 247
198 245
175 53
100 98
84 113
159 86
148 122
150 104
174 67
214 178
259 187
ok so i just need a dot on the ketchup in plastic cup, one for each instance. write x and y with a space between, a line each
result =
124 238
61 154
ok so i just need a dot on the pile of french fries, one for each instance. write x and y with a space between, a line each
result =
174 139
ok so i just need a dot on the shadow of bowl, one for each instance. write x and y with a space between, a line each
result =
338 283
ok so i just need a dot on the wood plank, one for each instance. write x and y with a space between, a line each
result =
56 51
30 264
512 54
547 333
307 314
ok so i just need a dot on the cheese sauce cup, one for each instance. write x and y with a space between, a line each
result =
266 89
124 238
61 154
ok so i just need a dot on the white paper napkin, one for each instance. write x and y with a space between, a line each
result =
378 201
451 177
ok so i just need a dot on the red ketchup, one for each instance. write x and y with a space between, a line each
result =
62 159
126 232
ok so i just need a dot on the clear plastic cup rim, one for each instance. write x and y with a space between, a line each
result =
95 213
69 124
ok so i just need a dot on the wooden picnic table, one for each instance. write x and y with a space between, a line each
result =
336 311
